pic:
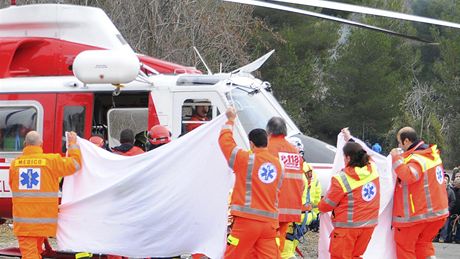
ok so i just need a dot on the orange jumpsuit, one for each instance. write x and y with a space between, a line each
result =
254 202
420 201
34 181
290 205
354 199
191 126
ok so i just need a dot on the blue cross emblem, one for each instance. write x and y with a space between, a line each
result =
369 191
439 174
30 178
267 173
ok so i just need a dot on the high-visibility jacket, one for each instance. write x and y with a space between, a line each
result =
34 182
290 205
311 196
258 178
420 192
354 197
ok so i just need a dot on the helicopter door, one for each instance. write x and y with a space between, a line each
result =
73 113
193 109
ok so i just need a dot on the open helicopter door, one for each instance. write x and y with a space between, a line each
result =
73 113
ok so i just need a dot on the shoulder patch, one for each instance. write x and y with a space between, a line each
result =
369 191
439 174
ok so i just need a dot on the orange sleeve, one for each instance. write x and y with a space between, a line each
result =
226 141
63 166
332 198
408 173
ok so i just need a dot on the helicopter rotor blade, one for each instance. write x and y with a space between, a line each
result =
368 10
328 17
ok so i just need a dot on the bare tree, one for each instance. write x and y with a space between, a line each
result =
168 29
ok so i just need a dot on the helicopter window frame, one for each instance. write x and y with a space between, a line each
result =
188 109
36 125
113 137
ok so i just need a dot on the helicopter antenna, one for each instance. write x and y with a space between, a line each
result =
202 60
328 17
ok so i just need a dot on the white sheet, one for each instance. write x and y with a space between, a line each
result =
167 202
382 243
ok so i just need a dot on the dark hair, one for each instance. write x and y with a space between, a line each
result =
358 156
277 126
127 136
258 137
408 133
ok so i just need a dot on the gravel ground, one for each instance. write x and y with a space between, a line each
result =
309 247
7 238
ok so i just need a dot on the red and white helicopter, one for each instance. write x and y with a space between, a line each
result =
65 67
38 89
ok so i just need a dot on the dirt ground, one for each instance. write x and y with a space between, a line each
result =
309 247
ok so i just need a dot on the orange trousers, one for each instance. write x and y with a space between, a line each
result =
416 241
348 243
252 238
31 247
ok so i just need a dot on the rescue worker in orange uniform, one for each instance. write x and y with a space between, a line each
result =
127 147
254 202
354 199
158 136
290 203
200 114
420 200
34 181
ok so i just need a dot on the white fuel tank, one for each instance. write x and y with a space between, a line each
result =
106 66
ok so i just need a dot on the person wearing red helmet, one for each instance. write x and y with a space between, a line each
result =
158 135
97 140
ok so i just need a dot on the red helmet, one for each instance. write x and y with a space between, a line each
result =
159 135
97 140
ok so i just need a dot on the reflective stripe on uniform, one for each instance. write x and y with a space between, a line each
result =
76 164
34 220
345 181
350 202
426 188
356 224
36 194
73 146
330 202
350 207
289 211
248 196
231 161
421 162
294 176
421 216
406 199
397 163
280 182
226 126
254 211
414 172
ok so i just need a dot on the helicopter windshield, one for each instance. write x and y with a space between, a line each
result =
254 110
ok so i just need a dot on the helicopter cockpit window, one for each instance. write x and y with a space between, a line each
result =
15 122
196 112
254 110
73 120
